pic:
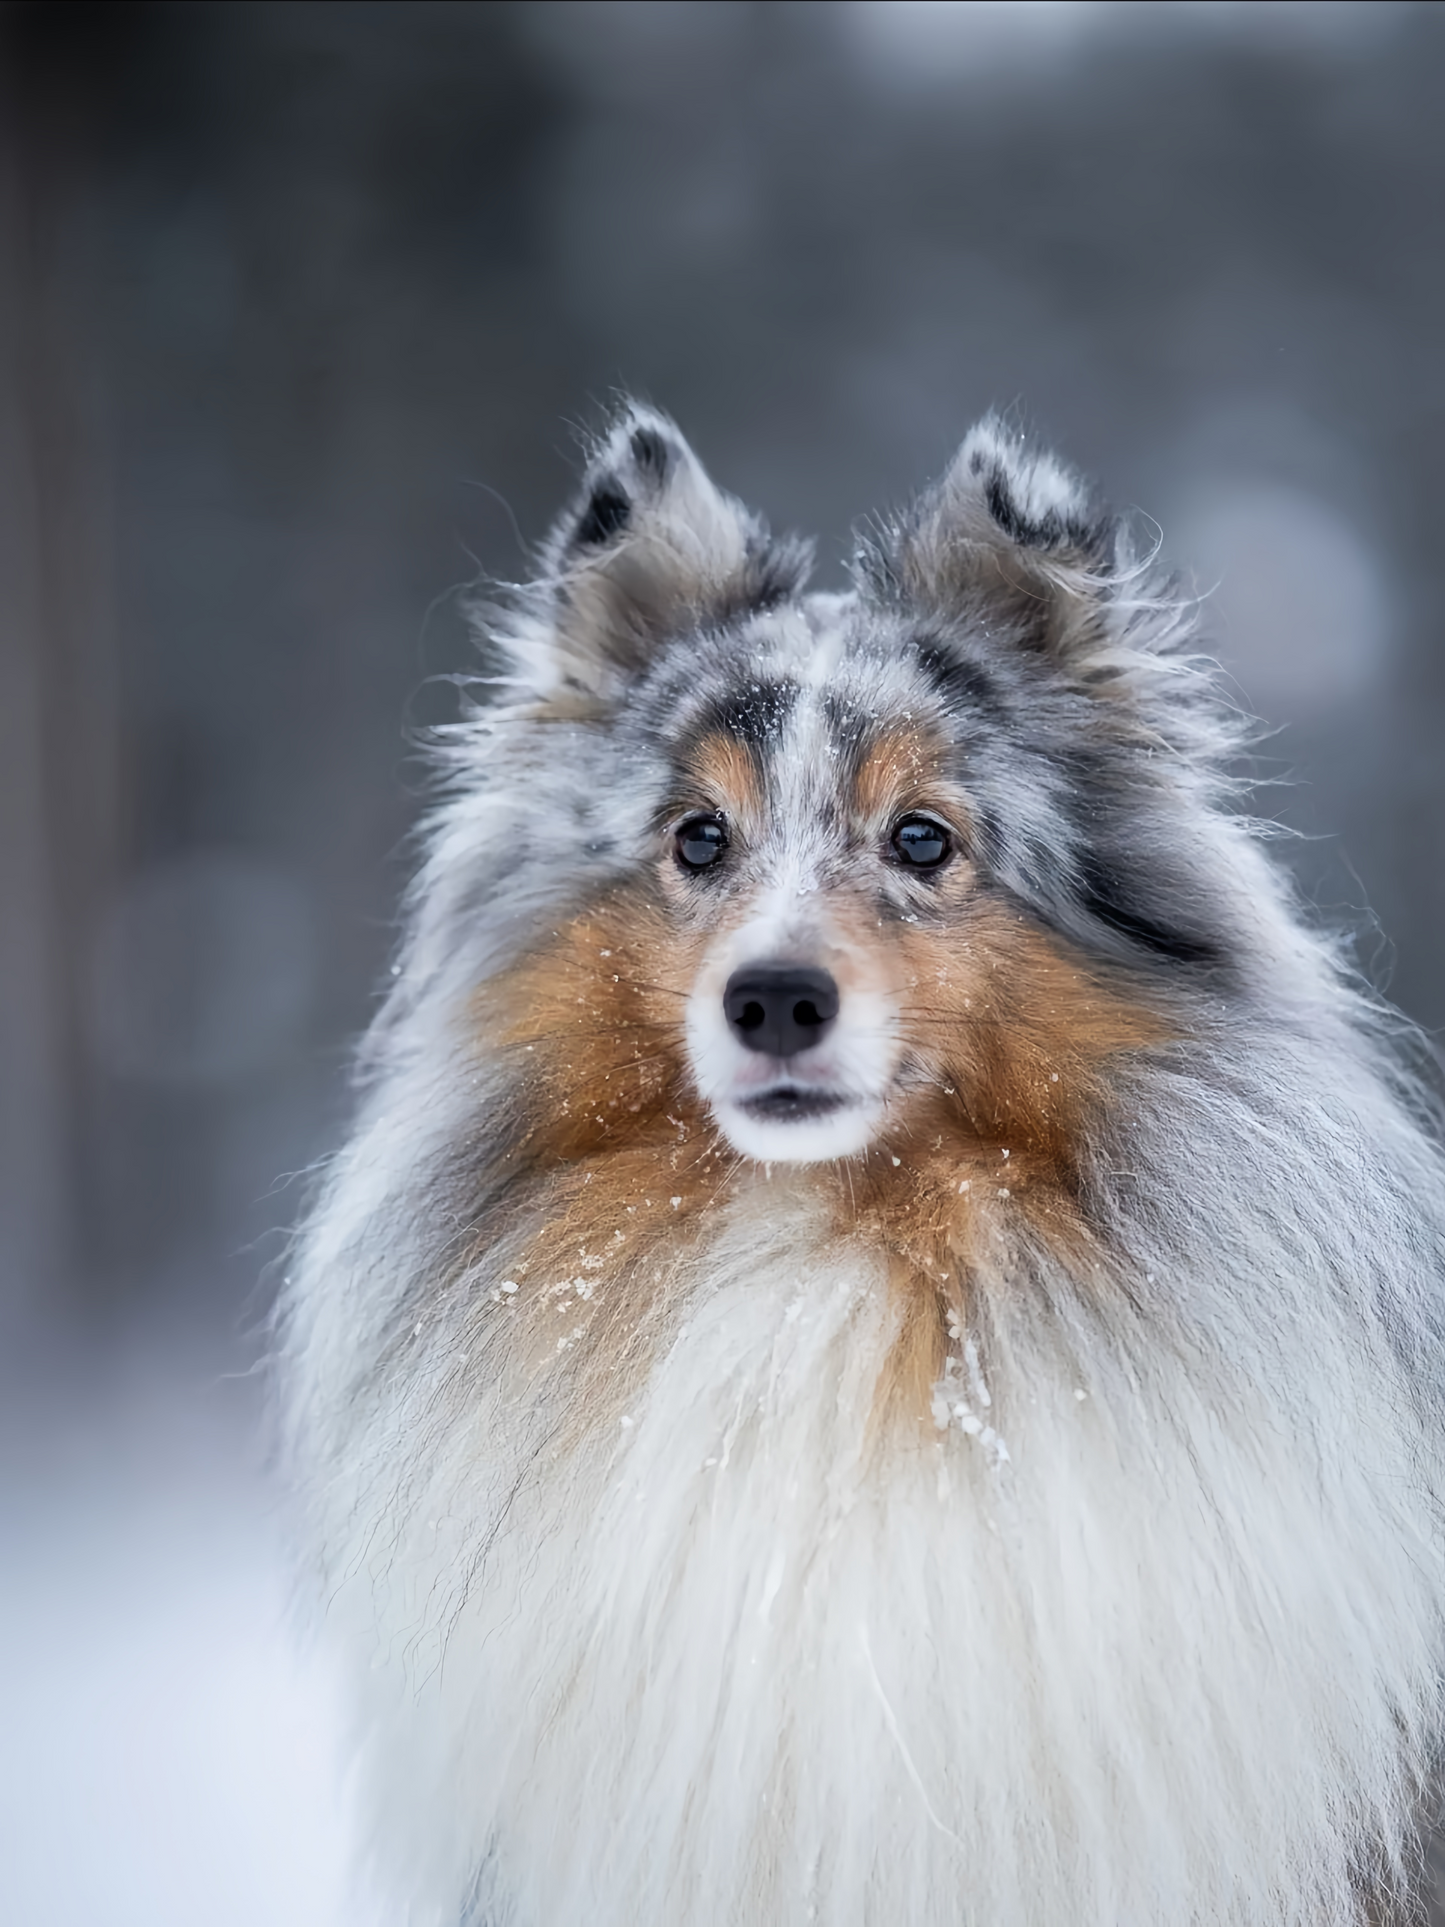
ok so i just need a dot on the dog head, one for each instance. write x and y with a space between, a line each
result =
867 863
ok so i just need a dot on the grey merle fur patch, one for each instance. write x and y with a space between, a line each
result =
650 550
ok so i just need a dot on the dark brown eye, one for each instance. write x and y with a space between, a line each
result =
701 842
921 844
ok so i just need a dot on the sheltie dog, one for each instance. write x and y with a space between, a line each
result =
874 1354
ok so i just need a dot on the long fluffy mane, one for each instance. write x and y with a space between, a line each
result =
1034 1517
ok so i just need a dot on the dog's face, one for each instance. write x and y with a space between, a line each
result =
889 867
812 850
816 846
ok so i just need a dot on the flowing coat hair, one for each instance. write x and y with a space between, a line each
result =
975 1459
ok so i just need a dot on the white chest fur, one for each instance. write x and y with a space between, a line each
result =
1095 1652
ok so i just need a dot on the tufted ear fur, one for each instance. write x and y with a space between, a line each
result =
1013 542
650 547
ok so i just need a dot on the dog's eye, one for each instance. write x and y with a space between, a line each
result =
921 844
701 842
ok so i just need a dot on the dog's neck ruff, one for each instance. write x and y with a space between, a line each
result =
1113 1634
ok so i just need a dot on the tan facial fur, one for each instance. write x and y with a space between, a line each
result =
613 1164
1000 1046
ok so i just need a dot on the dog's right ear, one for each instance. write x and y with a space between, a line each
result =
649 549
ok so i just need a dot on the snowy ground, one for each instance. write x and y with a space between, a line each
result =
168 1753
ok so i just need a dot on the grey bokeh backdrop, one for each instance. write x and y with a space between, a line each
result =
301 305
304 302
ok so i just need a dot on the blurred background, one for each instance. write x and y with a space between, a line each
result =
300 307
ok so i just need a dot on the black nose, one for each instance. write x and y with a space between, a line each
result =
780 1008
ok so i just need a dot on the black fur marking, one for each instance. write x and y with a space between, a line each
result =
1052 530
1101 898
607 512
753 716
651 453
1046 533
962 683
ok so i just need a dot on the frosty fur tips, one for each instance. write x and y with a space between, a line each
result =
873 1355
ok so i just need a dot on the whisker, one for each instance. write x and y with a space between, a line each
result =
613 1030
631 983
649 1057
729 1174
627 1063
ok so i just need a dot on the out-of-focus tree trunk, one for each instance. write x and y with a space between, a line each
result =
59 765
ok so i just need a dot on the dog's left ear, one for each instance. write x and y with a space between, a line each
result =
649 549
1011 542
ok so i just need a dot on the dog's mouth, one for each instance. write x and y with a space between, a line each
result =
792 1103
789 1121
